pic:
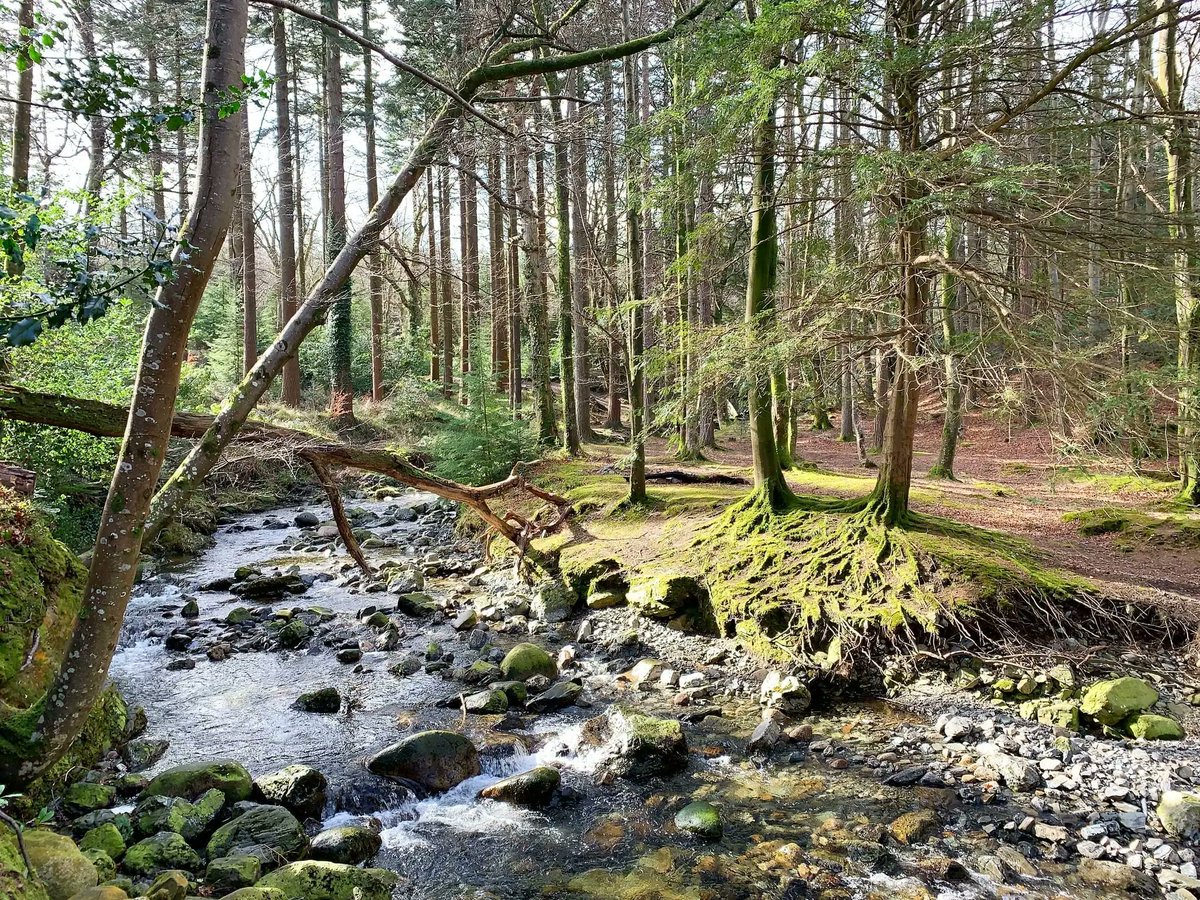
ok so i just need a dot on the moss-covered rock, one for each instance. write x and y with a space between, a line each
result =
193 779
300 789
346 844
914 826
1152 727
637 746
106 837
526 660
85 796
436 760
172 885
228 873
106 868
160 852
533 789
269 832
326 701
700 819
100 892
1179 812
192 820
318 880
15 882
660 595
257 893
1108 702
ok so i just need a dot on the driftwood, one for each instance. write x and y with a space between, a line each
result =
108 420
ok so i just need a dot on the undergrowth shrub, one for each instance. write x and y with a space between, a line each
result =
480 443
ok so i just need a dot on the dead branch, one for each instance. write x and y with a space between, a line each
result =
323 477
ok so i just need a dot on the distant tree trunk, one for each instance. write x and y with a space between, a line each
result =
341 326
97 125
447 282
498 264
298 194
579 296
616 375
374 262
566 299
181 145
514 287
468 204
637 312
883 383
139 462
22 133
952 421
435 335
249 273
154 158
704 315
287 201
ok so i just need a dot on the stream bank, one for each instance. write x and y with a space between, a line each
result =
935 793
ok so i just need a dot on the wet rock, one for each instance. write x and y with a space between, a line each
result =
323 700
349 655
552 601
643 673
765 737
300 789
700 819
222 583
85 796
178 641
533 789
237 616
906 776
320 880
516 691
365 795
190 609
347 844
1179 812
638 746
557 696
943 868
271 833
193 779
913 827
106 837
293 634
435 760
1108 702
1152 727
228 873
527 660
121 821
192 820
60 866
1103 873
306 519
489 703
407 665
466 619
416 604
165 850
269 588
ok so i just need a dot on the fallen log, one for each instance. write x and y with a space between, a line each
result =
108 420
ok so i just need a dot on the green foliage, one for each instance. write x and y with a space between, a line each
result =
480 443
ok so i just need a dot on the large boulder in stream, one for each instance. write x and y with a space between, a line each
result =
300 789
160 853
192 820
435 760
347 844
638 746
526 660
533 789
271 833
60 866
190 781
318 880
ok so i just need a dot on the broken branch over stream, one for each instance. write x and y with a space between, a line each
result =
108 420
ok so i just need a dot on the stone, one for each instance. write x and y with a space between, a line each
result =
1059 714
643 672
1152 727
559 695
293 634
516 691
85 796
700 819
1018 773
141 754
956 728
663 596
106 837
784 692
1105 873
154 814
300 789
228 873
190 609
1108 702
271 833
552 601
192 780
237 616
346 844
325 701
487 703
914 826
604 598
306 519
533 789
60 866
436 760
256 893
349 655
168 886
319 880
1179 812
765 736
526 660
410 664
159 852
416 604
101 892
637 746
466 619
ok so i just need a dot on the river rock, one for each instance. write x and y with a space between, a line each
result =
416 604
269 588
323 700
85 796
101 892
1018 773
913 827
162 851
1153 727
534 789
663 596
106 837
700 819
436 760
638 746
228 873
60 865
486 703
785 693
347 844
557 696
293 634
552 601
516 691
526 660
1179 812
306 519
271 833
300 789
156 813
171 885
319 880
256 893
1104 873
141 754
193 779
1108 702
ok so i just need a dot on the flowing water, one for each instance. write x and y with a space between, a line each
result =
791 828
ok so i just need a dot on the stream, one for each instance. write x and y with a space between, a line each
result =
794 825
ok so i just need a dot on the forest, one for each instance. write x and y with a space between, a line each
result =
693 450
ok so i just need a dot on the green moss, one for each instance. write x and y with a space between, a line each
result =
15 883
1139 528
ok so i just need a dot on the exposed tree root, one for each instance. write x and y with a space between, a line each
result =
826 584
107 420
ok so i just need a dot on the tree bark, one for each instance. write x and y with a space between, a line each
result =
435 334
287 201
498 266
447 282
22 133
375 273
637 312
66 706
583 252
249 269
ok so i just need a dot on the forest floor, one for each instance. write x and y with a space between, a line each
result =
1088 514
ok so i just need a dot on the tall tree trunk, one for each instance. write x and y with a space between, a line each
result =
514 287
435 316
341 326
637 312
579 293
498 266
616 369
566 299
468 204
707 412
374 262
22 133
287 201
447 282
97 126
249 272
181 144
66 706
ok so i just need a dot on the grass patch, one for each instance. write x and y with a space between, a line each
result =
1137 528
1112 483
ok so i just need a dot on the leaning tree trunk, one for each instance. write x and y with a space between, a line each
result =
66 706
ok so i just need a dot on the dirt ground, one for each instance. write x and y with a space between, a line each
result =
1011 480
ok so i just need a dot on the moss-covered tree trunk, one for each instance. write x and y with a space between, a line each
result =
637 313
287 200
341 327
952 422
67 704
